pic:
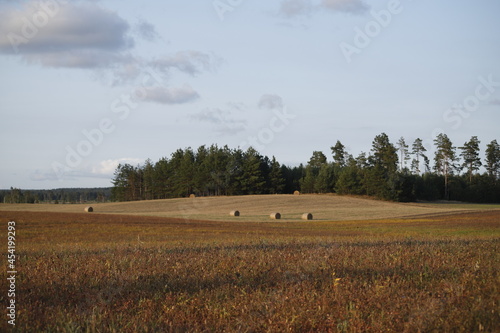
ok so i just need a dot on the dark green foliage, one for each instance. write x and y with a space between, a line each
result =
470 156
225 171
276 178
62 195
204 172
493 159
339 154
444 160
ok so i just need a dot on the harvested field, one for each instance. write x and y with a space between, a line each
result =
83 272
256 208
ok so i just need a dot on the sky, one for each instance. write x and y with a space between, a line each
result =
86 85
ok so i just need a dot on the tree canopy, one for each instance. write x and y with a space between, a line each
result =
381 173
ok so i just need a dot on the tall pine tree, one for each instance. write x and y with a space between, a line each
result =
470 156
493 159
444 160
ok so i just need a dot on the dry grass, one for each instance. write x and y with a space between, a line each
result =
118 273
257 208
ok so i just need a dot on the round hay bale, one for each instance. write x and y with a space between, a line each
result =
192 196
307 216
235 213
275 216
296 193
89 209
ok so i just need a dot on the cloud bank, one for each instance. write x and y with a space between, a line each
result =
84 35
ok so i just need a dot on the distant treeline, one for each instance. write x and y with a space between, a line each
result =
397 172
63 195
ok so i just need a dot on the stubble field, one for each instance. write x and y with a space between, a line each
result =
435 271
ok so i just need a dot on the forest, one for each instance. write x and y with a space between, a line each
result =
56 196
395 172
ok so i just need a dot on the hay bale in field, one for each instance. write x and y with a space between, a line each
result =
235 213
192 196
296 193
307 216
89 209
275 216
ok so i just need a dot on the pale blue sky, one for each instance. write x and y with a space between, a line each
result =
143 79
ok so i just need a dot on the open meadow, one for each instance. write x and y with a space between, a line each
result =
186 265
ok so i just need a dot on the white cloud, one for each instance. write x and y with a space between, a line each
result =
104 169
163 95
108 167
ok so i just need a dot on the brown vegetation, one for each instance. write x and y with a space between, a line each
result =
98 272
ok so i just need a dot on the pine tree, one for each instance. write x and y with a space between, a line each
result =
123 183
276 181
253 182
493 159
350 179
317 160
339 154
384 154
308 182
444 160
418 150
149 175
470 156
324 179
404 153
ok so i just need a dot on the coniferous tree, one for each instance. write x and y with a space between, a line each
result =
202 173
163 179
235 172
339 154
403 152
444 160
325 179
470 156
123 183
350 178
277 183
253 182
493 159
384 154
308 183
418 151
149 175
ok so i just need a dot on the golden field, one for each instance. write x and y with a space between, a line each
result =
256 208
